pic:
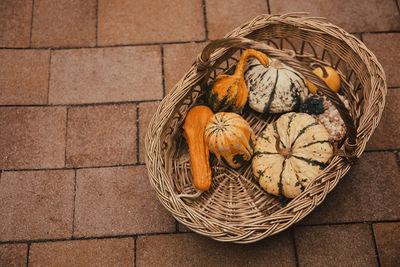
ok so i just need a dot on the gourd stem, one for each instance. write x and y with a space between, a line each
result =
283 151
324 72
276 64
241 65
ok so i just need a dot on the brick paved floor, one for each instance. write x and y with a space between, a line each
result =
79 82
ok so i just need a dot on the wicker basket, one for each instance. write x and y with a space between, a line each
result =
236 209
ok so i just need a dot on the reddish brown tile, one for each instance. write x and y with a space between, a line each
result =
343 245
101 135
352 15
106 75
32 137
386 47
64 23
387 237
178 58
118 200
367 193
225 16
98 252
13 255
24 77
151 250
15 23
146 112
36 204
183 228
127 22
387 135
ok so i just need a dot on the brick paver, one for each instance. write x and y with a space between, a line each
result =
13 255
118 201
351 15
387 134
146 112
79 83
160 21
101 135
183 228
105 75
385 47
24 77
224 16
178 58
344 245
32 137
367 193
387 236
103 252
36 204
15 23
187 249
64 23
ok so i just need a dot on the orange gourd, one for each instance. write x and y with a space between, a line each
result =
229 92
328 75
194 127
230 138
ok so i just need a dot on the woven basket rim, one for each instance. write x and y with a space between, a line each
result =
316 192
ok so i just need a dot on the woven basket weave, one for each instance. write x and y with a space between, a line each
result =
236 209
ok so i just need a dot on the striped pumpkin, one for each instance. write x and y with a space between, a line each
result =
230 138
290 153
276 88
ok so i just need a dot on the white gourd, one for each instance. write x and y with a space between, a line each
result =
276 88
290 153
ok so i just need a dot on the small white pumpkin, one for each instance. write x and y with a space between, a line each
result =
290 153
276 88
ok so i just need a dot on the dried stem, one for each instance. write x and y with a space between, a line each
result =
324 72
283 151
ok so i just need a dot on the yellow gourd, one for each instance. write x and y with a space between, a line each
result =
328 75
230 138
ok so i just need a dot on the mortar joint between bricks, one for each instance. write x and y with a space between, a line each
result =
97 23
205 20
268 7
397 155
30 34
374 243
28 249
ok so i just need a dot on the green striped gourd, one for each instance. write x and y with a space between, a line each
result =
230 138
276 88
290 152
229 92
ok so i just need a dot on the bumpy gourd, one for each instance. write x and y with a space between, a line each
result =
194 127
230 138
328 75
229 92
276 88
290 153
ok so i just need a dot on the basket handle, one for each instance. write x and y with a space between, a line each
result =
209 59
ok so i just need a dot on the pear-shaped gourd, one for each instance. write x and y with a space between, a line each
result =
230 138
229 92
